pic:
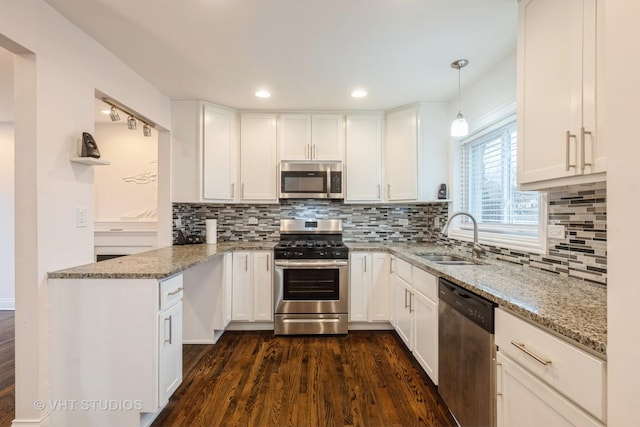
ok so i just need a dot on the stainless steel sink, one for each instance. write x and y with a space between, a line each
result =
446 259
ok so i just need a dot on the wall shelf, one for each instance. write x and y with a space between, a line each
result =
90 161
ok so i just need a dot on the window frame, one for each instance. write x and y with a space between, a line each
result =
499 235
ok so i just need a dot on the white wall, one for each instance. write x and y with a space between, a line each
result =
127 189
620 132
7 207
55 91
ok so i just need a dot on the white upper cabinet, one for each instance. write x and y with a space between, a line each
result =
363 163
220 153
258 158
327 137
558 137
311 137
401 155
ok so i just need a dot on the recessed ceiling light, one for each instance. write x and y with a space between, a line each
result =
359 93
262 94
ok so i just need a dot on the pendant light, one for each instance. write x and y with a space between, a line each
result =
459 127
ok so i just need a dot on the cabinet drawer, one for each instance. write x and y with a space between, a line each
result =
426 284
403 269
573 372
171 291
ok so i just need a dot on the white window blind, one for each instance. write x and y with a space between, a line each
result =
488 186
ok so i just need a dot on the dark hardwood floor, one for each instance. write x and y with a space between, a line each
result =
7 368
258 379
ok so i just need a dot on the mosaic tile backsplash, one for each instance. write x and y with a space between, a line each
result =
581 209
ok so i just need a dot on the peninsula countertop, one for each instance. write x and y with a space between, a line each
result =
573 308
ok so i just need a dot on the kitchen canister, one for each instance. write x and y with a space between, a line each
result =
211 230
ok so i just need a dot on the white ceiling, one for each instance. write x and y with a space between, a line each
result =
309 53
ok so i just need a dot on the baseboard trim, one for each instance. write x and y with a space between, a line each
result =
42 422
7 304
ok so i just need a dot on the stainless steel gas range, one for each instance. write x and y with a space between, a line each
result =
311 278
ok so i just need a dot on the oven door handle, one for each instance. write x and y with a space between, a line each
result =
311 264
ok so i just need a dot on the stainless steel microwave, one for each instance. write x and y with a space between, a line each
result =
311 180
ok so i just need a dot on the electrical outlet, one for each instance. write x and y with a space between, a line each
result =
555 231
252 221
179 222
436 223
81 217
403 221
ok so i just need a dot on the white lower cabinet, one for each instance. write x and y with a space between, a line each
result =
170 354
252 288
416 314
544 380
369 287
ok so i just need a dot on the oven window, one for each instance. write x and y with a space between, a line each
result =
311 284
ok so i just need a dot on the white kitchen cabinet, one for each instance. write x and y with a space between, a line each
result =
170 354
403 311
311 137
252 293
425 306
368 287
559 140
416 314
544 380
524 400
363 159
401 155
134 328
220 153
258 158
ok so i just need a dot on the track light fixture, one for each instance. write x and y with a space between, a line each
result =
113 113
132 123
132 118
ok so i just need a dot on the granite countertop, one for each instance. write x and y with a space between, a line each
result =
573 308
156 264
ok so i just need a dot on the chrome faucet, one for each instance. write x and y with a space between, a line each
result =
477 250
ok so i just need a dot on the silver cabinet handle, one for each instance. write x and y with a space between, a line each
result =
405 299
568 164
389 190
365 264
528 352
411 302
391 262
246 262
314 152
242 190
233 189
583 133
170 329
177 291
268 258
378 191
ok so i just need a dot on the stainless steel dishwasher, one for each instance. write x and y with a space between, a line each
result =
466 355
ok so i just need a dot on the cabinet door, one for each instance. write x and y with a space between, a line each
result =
228 288
220 145
425 342
403 314
401 154
327 137
258 157
378 302
262 286
170 352
242 292
363 167
359 284
525 401
295 137
550 96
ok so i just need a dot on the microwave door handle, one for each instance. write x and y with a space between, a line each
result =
328 182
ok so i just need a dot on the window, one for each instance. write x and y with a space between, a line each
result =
488 190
